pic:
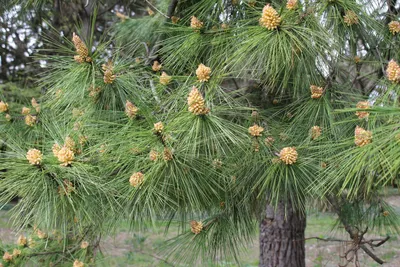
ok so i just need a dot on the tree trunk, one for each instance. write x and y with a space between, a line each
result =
282 241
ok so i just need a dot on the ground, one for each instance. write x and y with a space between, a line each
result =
140 249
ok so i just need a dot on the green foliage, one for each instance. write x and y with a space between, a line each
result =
208 168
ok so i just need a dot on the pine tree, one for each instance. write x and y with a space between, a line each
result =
222 115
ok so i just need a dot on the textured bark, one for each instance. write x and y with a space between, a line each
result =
282 241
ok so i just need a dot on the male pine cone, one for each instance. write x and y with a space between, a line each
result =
196 103
270 18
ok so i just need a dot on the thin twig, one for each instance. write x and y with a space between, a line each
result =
153 90
154 256
156 9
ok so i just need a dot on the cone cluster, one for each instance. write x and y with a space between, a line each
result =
196 227
94 91
65 155
270 18
350 18
130 109
174 19
217 163
22 241
203 73
269 141
291 4
25 111
315 132
316 92
393 71
165 79
158 127
81 50
196 102
35 105
34 156
256 130
3 107
153 155
362 137
150 11
78 263
67 188
7 257
30 120
394 27
108 76
84 244
156 66
195 23
288 155
362 105
136 179
167 155
70 143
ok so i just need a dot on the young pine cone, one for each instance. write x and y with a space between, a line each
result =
394 27
350 18
81 50
108 77
165 79
156 66
362 105
270 18
168 155
158 127
35 104
136 179
203 73
131 110
22 241
153 155
65 155
288 155
67 188
316 92
291 4
34 156
362 137
195 23
196 227
30 120
196 102
393 71
256 130
25 111
55 148
315 132
3 107
78 263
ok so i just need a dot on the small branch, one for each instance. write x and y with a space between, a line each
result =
171 8
380 243
372 255
329 239
154 256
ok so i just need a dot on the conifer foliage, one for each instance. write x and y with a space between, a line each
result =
209 113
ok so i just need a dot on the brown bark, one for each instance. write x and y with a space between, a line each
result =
282 242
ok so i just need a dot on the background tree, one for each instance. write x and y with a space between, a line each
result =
222 115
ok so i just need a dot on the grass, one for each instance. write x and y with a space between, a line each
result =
140 249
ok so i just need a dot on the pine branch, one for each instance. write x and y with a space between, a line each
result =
171 8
